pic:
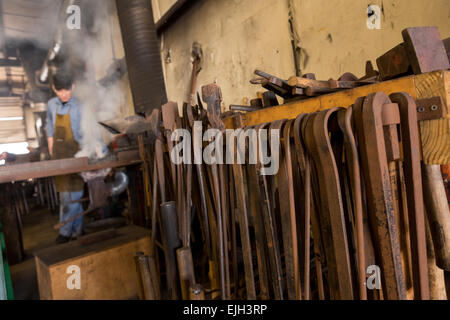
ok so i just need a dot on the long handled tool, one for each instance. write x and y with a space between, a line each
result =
353 162
369 128
332 214
413 178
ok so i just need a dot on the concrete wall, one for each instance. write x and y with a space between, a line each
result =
239 36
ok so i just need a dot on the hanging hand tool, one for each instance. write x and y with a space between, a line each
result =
369 128
332 214
255 213
303 163
212 95
413 179
169 113
344 118
269 224
286 209
311 207
243 225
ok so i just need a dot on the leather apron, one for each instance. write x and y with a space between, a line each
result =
65 146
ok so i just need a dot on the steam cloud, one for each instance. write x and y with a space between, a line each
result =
100 103
88 49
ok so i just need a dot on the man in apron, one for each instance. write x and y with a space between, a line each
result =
64 135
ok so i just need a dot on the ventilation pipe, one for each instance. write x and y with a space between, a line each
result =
142 55
120 183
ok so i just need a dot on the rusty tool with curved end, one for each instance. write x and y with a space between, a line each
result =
304 164
269 223
285 214
319 244
212 95
413 178
344 119
370 133
258 224
244 227
332 212
291 202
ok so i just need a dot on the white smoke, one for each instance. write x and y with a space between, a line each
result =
100 103
91 49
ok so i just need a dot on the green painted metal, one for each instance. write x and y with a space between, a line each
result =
6 287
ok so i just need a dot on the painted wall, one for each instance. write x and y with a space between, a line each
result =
336 38
239 36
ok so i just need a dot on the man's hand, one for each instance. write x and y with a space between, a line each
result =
50 146
3 156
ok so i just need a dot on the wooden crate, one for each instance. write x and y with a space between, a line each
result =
107 268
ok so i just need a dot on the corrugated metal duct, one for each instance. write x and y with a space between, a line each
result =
142 54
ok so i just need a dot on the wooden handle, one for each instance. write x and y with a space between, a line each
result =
438 213
62 224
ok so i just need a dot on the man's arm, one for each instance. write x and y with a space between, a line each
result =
49 129
50 145
76 118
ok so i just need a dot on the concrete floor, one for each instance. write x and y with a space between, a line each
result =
38 233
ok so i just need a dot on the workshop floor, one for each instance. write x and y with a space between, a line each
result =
38 233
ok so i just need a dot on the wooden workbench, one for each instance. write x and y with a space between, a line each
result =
435 134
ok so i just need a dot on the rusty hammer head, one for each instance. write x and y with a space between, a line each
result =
197 52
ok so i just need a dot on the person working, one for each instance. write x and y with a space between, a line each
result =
64 134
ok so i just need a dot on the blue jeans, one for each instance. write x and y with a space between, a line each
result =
70 210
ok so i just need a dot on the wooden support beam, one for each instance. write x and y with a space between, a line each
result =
51 168
172 14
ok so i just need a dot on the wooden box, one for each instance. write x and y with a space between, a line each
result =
107 269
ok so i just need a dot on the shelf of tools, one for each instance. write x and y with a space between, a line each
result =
357 209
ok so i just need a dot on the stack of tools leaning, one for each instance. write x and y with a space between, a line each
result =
346 215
